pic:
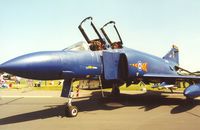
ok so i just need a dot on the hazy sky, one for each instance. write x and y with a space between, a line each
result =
147 25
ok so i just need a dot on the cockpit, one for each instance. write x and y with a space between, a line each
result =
97 43
80 46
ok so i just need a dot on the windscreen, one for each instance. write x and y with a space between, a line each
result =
80 46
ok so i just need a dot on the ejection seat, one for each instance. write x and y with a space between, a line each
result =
95 44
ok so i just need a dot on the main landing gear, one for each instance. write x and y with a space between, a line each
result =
115 90
67 91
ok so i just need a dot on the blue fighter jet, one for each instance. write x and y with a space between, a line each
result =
102 59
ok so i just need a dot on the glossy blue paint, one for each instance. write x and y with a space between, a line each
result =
110 63
72 64
66 88
51 64
192 91
154 64
39 65
80 64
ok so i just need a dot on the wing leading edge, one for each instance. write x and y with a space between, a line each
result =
172 77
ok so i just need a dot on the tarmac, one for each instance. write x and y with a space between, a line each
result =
9 93
28 109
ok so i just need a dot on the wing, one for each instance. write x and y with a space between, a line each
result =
152 76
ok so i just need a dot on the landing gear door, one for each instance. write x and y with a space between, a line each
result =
111 64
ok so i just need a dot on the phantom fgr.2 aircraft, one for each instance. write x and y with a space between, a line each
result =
105 60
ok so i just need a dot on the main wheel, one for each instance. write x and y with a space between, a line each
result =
71 111
115 91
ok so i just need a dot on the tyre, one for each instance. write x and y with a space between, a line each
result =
71 111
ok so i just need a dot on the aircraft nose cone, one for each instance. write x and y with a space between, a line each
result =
39 65
11 66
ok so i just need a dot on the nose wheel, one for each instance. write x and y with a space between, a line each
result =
71 111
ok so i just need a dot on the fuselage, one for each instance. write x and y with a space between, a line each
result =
53 65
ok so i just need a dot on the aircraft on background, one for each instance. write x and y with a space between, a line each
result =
105 60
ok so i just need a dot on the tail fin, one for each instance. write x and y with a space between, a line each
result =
173 55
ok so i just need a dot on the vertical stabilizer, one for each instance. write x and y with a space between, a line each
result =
173 55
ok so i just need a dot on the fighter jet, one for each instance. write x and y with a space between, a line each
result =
102 59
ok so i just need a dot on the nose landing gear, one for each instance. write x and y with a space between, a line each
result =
67 91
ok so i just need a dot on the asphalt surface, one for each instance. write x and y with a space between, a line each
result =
43 110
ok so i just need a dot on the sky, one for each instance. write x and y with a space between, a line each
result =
152 26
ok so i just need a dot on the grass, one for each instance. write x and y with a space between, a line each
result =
45 85
54 86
